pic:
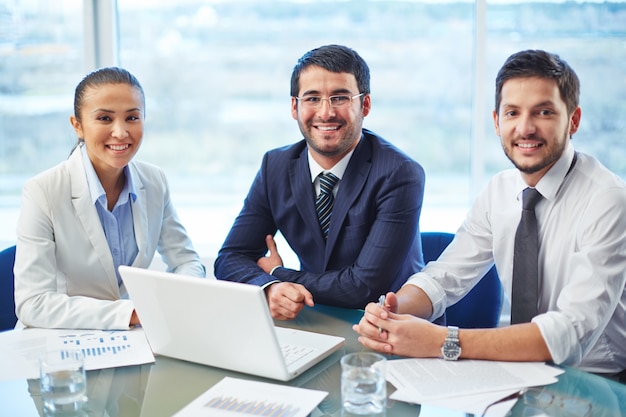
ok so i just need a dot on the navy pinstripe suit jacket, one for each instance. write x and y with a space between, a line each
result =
373 245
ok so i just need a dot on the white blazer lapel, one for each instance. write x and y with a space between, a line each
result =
88 215
140 218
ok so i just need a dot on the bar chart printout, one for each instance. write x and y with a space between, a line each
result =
91 344
20 349
233 397
104 349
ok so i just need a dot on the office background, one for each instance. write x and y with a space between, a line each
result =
216 77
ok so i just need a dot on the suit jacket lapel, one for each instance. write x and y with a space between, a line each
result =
352 183
140 216
301 188
88 215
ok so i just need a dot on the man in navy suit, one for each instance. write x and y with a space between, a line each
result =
373 241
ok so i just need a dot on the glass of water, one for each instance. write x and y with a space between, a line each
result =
363 384
62 381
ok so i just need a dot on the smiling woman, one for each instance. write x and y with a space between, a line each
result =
108 118
97 210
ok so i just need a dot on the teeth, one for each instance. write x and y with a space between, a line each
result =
527 145
328 127
118 147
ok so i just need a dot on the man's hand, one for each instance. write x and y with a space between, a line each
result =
269 262
391 302
383 330
286 299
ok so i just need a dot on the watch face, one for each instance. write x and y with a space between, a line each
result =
451 350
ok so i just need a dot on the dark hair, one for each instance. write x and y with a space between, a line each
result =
102 76
333 58
537 63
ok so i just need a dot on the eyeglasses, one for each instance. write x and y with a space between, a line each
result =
313 102
538 401
567 406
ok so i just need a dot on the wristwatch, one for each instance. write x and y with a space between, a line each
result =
451 349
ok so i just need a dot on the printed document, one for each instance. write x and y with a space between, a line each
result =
465 385
233 397
20 349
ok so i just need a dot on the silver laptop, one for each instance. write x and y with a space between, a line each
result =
220 323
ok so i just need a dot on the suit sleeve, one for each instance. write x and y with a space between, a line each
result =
175 246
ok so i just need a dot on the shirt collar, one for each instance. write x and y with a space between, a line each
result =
338 169
96 191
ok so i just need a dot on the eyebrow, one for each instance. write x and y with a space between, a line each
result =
333 93
547 103
111 111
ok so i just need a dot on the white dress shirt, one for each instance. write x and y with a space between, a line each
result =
582 258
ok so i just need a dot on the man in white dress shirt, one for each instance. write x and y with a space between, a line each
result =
581 218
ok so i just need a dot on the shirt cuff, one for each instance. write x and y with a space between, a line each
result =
433 290
274 269
267 284
560 337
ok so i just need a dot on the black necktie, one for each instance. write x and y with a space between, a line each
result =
324 201
525 262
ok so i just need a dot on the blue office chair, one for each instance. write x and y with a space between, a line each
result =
7 299
482 306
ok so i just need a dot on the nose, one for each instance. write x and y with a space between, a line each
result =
119 130
326 110
526 126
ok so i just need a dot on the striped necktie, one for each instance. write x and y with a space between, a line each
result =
324 201
525 292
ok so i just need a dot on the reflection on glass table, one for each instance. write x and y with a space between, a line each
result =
168 385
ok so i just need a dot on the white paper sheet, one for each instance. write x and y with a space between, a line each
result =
465 385
19 349
233 397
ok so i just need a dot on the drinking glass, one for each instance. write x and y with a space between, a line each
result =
363 384
62 381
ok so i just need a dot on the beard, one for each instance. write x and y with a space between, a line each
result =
351 134
554 153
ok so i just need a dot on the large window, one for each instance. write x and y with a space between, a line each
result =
591 37
216 76
41 61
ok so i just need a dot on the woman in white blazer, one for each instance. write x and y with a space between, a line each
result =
93 212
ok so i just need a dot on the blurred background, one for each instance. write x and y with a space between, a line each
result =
216 77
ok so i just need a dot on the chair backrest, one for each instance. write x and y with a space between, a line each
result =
482 306
7 287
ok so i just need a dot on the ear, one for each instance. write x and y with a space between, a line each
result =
496 125
78 128
574 121
367 104
294 108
